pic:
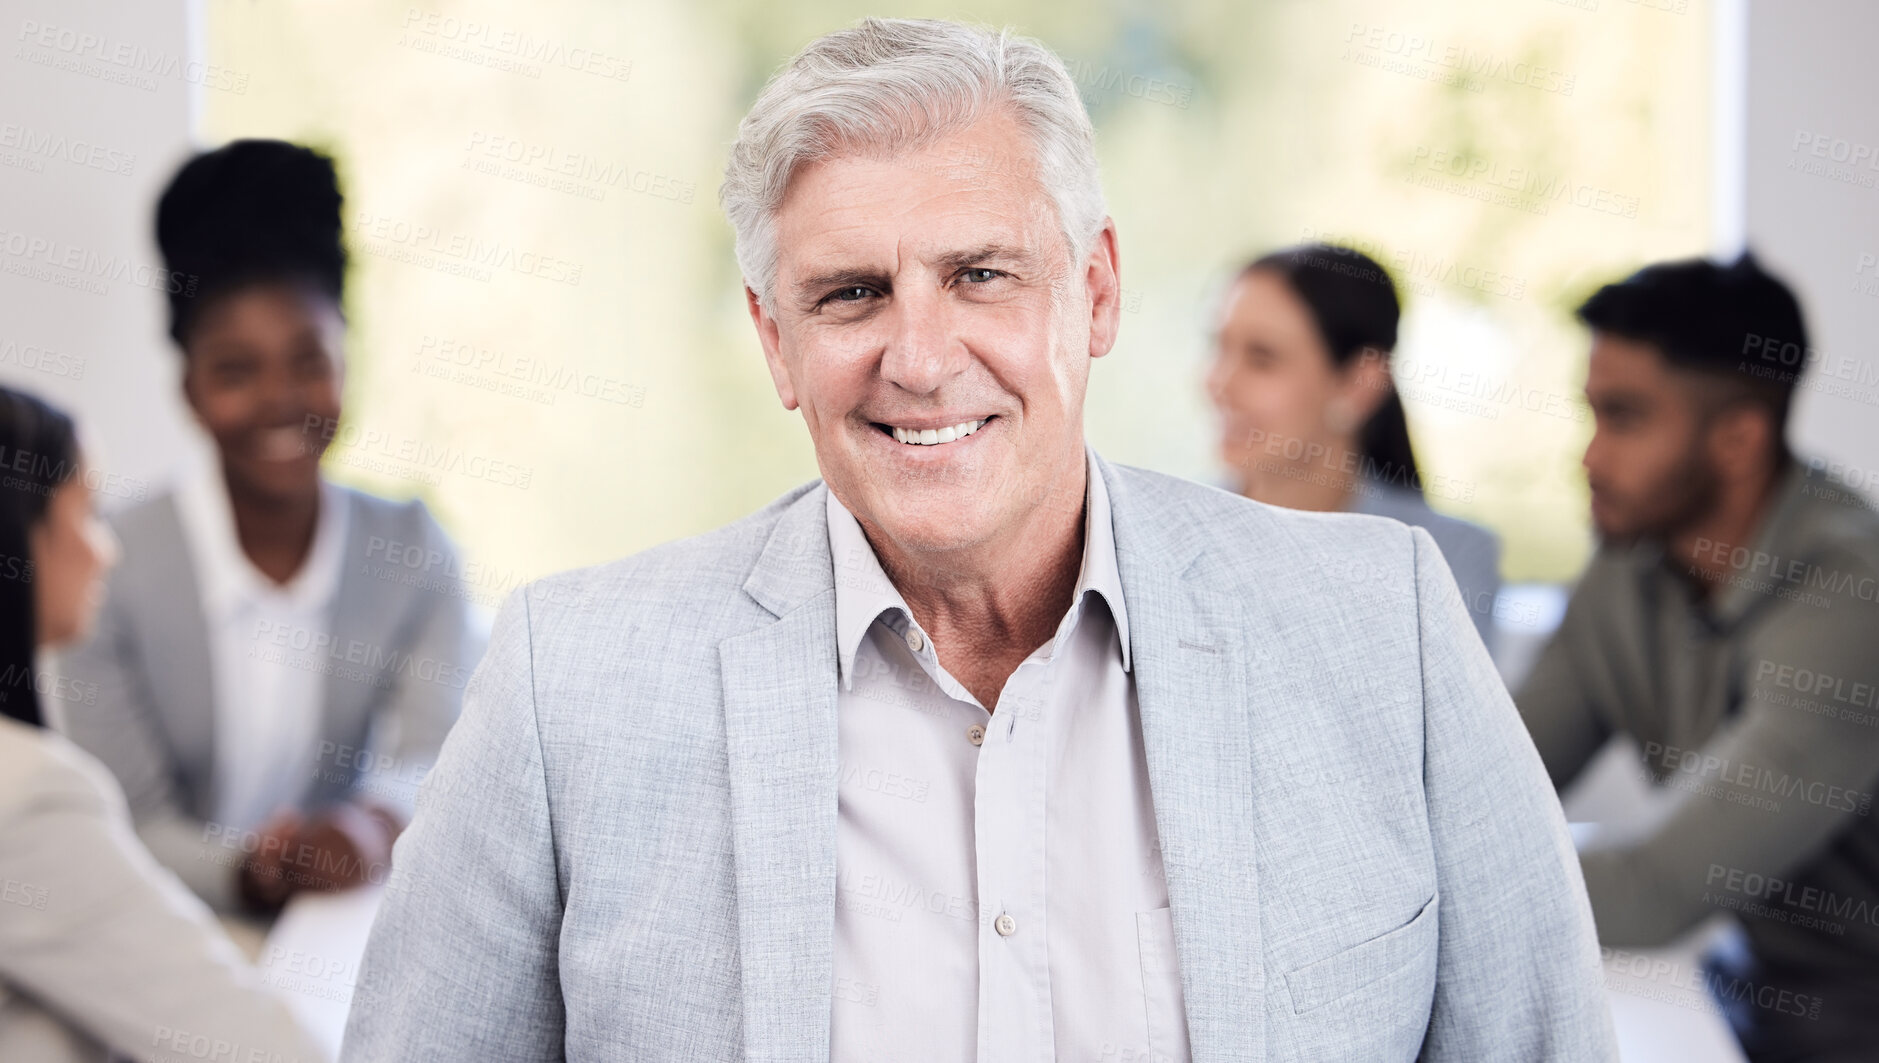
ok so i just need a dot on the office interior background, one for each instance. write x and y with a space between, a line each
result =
547 336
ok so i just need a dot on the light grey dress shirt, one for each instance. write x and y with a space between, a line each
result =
999 887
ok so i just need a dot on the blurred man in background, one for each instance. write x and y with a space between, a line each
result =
1728 626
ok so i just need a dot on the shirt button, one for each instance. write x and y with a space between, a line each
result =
1005 925
975 735
914 640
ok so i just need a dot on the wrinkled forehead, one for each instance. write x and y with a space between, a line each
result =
973 187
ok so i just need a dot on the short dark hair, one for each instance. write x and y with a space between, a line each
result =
1736 322
249 212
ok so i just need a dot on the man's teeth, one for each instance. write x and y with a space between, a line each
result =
926 437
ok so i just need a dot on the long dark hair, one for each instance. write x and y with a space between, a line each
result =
38 453
1353 302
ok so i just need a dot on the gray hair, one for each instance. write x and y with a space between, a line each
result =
895 85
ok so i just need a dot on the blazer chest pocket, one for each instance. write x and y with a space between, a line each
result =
1339 975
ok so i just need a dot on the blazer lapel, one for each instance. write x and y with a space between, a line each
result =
172 618
781 737
368 610
1192 676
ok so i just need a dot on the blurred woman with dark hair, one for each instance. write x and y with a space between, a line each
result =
273 679
101 950
1310 416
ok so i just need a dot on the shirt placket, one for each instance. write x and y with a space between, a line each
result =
1010 786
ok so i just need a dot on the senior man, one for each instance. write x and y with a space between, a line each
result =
979 747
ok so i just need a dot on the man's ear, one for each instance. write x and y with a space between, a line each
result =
1102 271
772 348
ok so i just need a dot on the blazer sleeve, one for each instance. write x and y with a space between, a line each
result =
114 717
1517 973
112 942
462 959
426 699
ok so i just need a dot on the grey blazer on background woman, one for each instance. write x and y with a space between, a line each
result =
628 847
402 651
1473 553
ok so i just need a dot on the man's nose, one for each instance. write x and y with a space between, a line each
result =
922 351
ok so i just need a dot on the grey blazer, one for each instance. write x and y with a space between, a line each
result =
142 694
627 849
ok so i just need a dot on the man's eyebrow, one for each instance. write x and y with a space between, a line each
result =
952 261
817 285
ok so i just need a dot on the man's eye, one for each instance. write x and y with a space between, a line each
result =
981 275
852 294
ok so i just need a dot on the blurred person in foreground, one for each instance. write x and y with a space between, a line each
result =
1728 626
1310 418
101 950
981 746
273 679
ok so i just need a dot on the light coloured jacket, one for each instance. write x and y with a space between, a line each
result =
627 849
102 950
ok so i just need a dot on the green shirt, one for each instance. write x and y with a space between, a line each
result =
1756 714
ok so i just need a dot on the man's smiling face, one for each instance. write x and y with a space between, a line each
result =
929 322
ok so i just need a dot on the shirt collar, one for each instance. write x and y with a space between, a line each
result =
226 579
863 591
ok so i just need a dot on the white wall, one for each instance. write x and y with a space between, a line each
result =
94 116
1811 89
